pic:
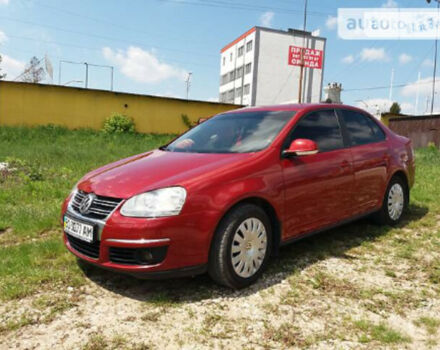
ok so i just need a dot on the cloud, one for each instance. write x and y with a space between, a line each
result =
405 58
390 4
424 86
374 54
266 19
3 37
348 59
380 105
11 67
142 66
424 89
375 105
4 2
331 22
428 63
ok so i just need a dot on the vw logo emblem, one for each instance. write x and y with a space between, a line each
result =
86 203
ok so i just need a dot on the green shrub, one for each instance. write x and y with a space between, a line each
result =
118 124
187 121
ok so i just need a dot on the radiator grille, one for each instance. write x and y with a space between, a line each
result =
101 206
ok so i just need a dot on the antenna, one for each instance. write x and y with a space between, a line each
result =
188 84
49 67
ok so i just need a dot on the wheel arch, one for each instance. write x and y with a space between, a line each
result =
404 177
271 213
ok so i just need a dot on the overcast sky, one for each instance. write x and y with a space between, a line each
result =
153 44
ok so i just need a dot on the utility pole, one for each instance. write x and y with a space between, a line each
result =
301 72
188 84
87 65
391 86
416 107
87 75
435 59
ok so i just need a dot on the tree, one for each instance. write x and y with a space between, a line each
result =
33 72
2 76
395 108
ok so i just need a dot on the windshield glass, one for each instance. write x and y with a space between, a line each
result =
233 133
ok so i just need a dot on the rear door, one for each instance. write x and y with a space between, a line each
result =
370 158
317 187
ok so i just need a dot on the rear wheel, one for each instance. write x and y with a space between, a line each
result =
394 203
241 247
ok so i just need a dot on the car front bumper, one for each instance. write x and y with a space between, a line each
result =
184 238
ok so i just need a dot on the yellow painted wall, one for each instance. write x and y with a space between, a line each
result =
38 104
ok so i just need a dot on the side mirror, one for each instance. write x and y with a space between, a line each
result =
301 147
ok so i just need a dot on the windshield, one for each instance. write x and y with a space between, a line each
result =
233 133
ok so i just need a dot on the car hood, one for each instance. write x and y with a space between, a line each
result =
156 169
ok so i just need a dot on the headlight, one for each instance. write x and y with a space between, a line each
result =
158 203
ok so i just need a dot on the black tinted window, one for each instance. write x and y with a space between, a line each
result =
321 127
361 129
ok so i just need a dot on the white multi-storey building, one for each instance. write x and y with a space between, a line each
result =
263 66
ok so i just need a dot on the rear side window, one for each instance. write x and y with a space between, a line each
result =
361 129
321 127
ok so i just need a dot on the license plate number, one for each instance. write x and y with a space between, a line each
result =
78 229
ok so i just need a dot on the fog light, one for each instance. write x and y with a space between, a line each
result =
144 256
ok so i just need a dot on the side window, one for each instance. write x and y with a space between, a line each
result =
361 129
321 127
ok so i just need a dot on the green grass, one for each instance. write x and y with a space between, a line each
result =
380 333
54 160
49 161
26 267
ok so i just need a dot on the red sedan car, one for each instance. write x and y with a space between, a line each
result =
224 196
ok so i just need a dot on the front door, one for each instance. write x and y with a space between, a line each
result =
317 187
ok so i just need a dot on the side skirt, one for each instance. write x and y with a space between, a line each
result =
326 228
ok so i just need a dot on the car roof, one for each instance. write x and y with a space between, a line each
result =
296 107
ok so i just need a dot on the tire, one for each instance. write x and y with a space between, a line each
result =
241 247
394 204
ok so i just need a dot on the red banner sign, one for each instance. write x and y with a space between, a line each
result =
300 56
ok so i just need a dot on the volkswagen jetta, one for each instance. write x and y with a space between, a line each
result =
226 195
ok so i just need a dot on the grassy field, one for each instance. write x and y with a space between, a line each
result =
358 286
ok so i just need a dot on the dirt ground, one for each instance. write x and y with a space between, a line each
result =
349 288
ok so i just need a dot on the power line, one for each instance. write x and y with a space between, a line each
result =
387 86
243 6
99 49
102 36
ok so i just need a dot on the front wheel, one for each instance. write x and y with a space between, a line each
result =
394 203
241 247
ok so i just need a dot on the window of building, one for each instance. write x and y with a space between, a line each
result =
231 95
230 57
232 75
239 72
240 51
224 79
247 89
249 46
223 97
321 127
248 68
224 60
238 92
361 129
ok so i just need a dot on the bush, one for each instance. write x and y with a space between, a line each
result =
118 124
187 121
